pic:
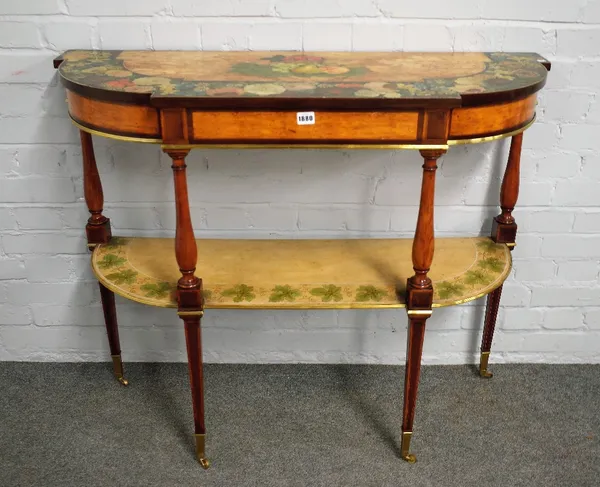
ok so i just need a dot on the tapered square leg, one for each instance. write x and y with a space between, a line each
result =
491 313
416 336
112 330
193 342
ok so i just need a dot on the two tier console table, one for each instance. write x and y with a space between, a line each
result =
185 100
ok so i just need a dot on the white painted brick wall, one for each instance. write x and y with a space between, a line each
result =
49 303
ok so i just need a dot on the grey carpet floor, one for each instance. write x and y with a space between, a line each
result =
298 425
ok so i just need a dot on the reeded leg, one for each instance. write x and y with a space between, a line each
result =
416 335
193 341
112 330
491 313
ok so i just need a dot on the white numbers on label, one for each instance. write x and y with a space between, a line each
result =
305 118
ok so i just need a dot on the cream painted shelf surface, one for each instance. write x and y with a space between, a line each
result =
300 274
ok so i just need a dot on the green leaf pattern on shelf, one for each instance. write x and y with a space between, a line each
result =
487 245
115 243
157 290
477 277
239 293
128 276
111 260
491 263
370 293
328 293
284 293
447 290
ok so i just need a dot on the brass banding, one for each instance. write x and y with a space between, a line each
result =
419 312
309 146
476 140
491 138
108 135
190 313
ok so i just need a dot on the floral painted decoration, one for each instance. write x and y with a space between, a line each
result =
288 75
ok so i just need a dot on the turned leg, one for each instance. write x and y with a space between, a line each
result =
98 226
189 296
112 330
98 231
491 313
419 297
504 230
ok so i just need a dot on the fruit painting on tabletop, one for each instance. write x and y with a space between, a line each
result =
295 75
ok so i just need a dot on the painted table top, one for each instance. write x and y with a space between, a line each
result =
303 74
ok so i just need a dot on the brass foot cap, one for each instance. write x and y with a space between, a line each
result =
486 374
200 442
410 458
405 448
118 369
483 365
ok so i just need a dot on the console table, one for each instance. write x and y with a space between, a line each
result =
186 100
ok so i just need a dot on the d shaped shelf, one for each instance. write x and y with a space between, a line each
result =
297 274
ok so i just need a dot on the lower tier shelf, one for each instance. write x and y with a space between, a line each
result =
301 274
